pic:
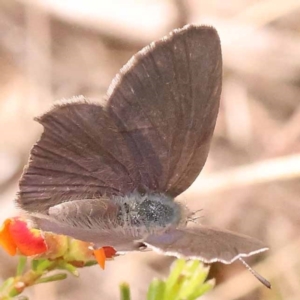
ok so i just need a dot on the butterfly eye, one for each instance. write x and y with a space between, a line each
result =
141 246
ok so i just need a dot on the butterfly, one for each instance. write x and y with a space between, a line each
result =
108 174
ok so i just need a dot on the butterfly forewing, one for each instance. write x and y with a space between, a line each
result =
165 101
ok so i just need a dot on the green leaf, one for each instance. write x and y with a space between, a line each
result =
202 274
176 270
68 267
191 266
34 264
7 283
40 265
90 263
156 290
14 292
56 277
193 280
202 289
174 281
186 281
125 291
21 265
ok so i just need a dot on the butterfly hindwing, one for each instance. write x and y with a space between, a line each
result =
205 243
81 154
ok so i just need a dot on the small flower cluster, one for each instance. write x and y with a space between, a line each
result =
16 237
48 251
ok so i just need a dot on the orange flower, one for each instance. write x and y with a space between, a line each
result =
17 237
104 253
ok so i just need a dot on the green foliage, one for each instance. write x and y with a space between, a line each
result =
186 280
124 291
38 273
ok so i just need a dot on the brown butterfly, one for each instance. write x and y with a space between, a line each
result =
109 174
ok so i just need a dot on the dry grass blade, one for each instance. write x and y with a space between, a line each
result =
277 169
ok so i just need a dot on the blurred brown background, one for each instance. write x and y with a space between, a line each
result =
52 49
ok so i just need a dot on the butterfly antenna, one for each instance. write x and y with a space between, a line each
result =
198 210
263 280
193 218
